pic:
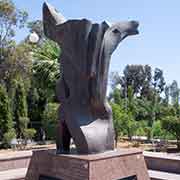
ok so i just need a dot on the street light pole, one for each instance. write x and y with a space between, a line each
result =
33 37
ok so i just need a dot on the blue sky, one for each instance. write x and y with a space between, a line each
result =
158 43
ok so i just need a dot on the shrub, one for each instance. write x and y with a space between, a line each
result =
141 131
28 135
25 133
50 120
157 130
172 125
8 136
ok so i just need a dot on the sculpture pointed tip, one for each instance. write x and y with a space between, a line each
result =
49 9
45 4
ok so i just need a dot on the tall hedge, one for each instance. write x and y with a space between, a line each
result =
6 121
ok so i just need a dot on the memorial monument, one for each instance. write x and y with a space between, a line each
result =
85 115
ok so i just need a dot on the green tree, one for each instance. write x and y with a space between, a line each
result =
124 123
158 88
20 104
129 124
174 93
167 96
33 104
23 125
172 125
8 137
158 80
10 19
36 100
117 115
124 113
115 96
137 76
18 65
141 80
50 120
148 111
157 130
6 122
25 132
46 67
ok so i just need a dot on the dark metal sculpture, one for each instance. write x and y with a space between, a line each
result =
85 114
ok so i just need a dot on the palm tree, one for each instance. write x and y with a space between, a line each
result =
46 65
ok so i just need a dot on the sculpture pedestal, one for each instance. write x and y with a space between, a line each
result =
115 165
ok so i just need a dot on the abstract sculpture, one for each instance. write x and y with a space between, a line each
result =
85 114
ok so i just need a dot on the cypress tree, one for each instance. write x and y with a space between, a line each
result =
6 122
20 104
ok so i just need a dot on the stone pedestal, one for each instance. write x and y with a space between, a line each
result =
120 164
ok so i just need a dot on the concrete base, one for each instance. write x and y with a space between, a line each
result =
116 165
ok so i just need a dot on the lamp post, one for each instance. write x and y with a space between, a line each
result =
33 37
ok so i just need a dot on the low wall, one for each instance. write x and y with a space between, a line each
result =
15 160
162 162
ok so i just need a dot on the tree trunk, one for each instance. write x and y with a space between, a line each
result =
116 138
178 144
129 135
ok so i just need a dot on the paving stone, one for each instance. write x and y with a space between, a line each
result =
14 174
159 175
